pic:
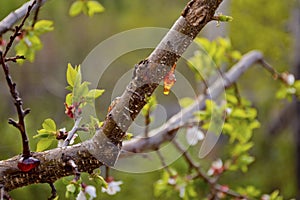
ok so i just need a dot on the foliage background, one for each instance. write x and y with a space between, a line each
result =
258 24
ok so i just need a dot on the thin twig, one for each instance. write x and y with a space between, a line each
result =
269 68
202 174
237 93
191 163
106 172
18 104
53 192
76 172
147 122
17 30
15 58
4 194
36 13
163 162
231 193
72 132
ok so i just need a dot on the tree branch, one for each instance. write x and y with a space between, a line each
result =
104 147
165 133
13 17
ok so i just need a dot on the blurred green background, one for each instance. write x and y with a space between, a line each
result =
257 24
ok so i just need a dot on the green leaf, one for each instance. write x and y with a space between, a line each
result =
42 134
94 7
203 42
43 144
71 188
49 125
69 99
239 113
71 75
250 191
225 18
241 148
236 55
56 198
255 124
99 180
150 106
186 101
94 93
80 92
43 26
227 128
128 136
21 50
76 8
232 99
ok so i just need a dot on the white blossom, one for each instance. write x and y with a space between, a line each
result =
172 181
193 135
63 130
216 167
228 111
73 138
290 79
113 187
81 196
181 191
90 190
265 197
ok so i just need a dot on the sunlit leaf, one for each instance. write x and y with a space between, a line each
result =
43 144
71 188
94 93
42 134
71 75
94 7
69 99
49 125
186 101
76 8
43 26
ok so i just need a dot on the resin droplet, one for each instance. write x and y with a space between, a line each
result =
169 80
27 164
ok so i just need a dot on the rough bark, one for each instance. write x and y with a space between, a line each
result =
105 145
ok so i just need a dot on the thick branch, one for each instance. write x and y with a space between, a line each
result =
102 147
151 71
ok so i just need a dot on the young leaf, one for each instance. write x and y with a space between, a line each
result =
76 8
42 134
94 7
49 125
71 75
43 144
80 92
186 101
43 26
69 99
94 93
71 188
